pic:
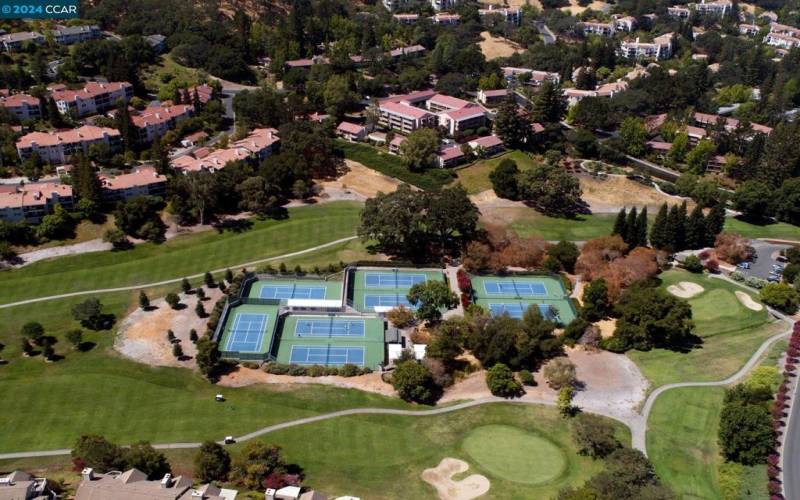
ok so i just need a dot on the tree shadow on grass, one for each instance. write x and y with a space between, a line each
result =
234 225
86 346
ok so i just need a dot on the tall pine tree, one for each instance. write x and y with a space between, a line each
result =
549 105
123 123
641 228
673 230
619 224
658 233
630 229
696 234
84 180
514 129
715 223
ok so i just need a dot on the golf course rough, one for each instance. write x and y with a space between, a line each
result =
515 455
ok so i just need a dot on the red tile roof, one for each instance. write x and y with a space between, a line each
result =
84 133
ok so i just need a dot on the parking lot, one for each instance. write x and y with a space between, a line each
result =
762 265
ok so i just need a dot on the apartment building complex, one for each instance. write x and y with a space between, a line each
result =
13 42
23 106
509 15
257 146
31 202
659 48
782 36
94 97
68 35
155 121
144 181
59 146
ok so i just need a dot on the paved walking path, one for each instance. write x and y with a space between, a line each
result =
177 280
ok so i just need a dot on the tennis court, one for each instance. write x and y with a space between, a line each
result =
293 291
513 288
517 309
247 332
378 287
327 355
513 295
329 327
372 301
284 289
392 279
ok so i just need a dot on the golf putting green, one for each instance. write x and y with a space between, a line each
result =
514 454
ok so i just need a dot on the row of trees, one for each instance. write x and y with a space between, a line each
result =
675 230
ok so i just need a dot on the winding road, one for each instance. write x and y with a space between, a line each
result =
177 280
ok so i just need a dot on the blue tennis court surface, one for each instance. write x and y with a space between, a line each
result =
291 292
327 355
392 280
517 310
523 289
393 300
247 332
333 327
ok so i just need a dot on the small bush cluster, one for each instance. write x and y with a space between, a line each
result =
737 276
755 282
347 370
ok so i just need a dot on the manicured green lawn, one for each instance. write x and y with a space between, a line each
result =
101 392
682 440
779 230
184 255
382 457
730 333
513 454
391 165
475 178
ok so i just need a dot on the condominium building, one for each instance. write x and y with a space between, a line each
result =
13 42
29 203
59 146
445 19
351 131
443 4
679 12
406 18
68 35
659 48
509 15
470 117
155 121
717 7
748 29
536 77
404 117
94 97
258 145
19 485
601 29
134 485
23 106
624 23
144 181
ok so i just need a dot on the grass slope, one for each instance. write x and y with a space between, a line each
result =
682 440
475 178
100 392
184 255
382 457
392 165
778 230
729 331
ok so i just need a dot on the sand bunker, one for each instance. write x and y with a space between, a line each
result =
440 478
685 289
748 301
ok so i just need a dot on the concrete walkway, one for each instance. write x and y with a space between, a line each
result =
177 280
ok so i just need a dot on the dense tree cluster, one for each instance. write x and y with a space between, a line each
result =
745 429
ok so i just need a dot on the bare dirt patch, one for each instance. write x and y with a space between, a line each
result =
495 46
362 181
247 376
607 327
576 9
748 301
617 191
142 335
441 478
685 289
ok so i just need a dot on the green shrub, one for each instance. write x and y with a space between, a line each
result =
693 264
349 370
297 370
526 377
331 370
315 371
501 382
737 276
276 368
